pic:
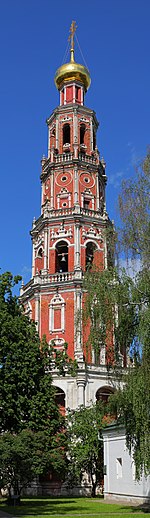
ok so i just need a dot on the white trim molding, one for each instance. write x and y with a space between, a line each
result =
57 302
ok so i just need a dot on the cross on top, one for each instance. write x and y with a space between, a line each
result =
72 31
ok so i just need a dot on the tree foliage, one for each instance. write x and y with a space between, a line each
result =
27 455
134 204
26 392
122 303
134 400
31 426
111 313
85 451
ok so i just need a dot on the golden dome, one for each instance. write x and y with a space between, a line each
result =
72 71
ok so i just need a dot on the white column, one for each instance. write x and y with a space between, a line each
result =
42 196
49 141
97 192
76 187
52 189
81 392
37 310
75 133
82 95
91 129
75 127
33 258
45 248
63 318
65 95
102 354
77 245
78 324
57 140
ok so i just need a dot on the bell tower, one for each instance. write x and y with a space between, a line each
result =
69 234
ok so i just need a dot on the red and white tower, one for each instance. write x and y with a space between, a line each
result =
70 231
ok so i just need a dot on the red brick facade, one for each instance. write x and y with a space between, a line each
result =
70 233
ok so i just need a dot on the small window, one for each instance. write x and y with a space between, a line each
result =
86 203
86 180
119 467
64 204
64 178
40 252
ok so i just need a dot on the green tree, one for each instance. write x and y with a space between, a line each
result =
111 314
27 455
85 446
132 403
27 396
134 205
26 392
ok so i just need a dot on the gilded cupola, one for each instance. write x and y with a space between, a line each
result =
72 71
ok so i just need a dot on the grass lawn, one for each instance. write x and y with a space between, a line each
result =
71 507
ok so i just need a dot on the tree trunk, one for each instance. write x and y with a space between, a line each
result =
93 492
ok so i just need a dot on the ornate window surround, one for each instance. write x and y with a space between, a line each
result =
57 302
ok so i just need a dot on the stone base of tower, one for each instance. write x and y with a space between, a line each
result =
59 489
90 384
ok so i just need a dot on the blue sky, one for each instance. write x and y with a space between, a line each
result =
114 38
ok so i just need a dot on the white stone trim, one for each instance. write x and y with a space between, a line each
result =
62 238
58 342
91 240
57 302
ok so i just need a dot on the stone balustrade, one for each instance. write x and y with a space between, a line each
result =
68 157
47 278
54 213
55 277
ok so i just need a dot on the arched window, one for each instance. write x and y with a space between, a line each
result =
66 134
82 134
61 257
103 394
40 252
60 399
90 249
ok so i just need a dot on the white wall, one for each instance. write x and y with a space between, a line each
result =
119 481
